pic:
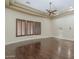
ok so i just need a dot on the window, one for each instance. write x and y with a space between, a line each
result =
25 28
20 27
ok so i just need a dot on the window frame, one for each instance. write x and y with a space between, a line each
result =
32 28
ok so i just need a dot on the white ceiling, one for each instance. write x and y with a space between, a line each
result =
44 4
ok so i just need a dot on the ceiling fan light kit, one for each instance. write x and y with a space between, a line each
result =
50 11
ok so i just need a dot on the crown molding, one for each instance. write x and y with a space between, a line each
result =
62 14
26 11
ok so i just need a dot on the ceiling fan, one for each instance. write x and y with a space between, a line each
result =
50 11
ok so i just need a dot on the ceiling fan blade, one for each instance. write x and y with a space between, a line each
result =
54 10
49 14
53 13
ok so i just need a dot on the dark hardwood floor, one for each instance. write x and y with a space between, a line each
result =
47 49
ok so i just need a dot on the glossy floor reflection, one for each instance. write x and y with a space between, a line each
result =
47 49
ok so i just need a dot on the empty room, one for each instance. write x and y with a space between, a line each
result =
39 29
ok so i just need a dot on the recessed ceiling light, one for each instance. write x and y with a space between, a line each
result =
27 2
71 8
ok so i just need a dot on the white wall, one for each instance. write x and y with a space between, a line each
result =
50 28
11 16
63 22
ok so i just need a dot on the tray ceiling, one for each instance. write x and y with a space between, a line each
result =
44 4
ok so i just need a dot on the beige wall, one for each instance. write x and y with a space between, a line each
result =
65 23
11 16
